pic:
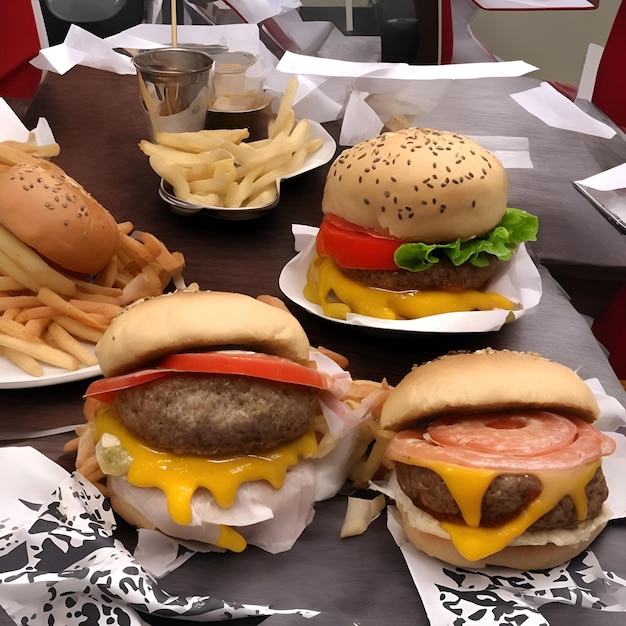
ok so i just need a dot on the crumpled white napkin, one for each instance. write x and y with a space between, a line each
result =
558 111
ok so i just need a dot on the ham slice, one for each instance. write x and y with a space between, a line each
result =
515 442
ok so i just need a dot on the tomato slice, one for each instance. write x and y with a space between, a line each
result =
105 388
355 249
252 364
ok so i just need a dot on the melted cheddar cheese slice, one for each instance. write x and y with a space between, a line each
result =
325 283
468 486
180 476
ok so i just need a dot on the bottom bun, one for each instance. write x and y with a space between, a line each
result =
271 519
533 550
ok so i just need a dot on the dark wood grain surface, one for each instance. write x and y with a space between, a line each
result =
97 120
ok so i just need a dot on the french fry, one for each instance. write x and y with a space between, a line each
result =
10 313
219 168
54 300
106 277
30 314
38 326
105 310
284 117
135 249
173 175
42 151
168 261
66 342
78 329
86 288
141 286
41 352
33 265
11 269
125 228
24 361
18 302
265 196
7 283
203 140
15 329
11 155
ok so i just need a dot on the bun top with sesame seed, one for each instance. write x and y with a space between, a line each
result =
418 184
53 214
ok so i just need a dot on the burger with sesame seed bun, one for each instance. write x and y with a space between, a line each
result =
53 214
415 223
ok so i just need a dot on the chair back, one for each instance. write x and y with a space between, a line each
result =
436 32
85 10
100 17
609 92
22 35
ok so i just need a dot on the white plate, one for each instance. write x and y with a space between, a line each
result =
518 280
12 377
316 159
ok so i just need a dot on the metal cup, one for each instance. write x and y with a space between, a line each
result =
174 88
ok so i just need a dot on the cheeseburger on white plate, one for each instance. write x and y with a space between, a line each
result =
415 224
496 460
53 214
208 424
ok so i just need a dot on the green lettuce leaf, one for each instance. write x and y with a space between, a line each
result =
516 226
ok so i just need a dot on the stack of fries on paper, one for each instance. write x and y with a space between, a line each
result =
50 318
218 168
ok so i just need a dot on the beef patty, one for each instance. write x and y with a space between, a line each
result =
216 414
505 498
442 275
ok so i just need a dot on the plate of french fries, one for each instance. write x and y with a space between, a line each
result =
50 321
218 172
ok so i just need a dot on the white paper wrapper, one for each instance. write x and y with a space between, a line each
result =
11 127
368 95
365 95
518 280
81 47
56 542
556 110
454 595
608 180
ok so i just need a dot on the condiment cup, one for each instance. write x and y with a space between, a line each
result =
174 88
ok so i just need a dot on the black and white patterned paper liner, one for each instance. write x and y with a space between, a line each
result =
62 565
496 596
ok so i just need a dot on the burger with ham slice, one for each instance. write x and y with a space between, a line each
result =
496 460
415 223
208 421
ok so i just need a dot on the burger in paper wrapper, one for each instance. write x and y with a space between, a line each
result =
415 224
496 460
209 422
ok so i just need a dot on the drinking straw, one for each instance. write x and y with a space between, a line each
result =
174 25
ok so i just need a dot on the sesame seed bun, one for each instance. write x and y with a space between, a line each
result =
418 184
487 380
54 215
184 321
